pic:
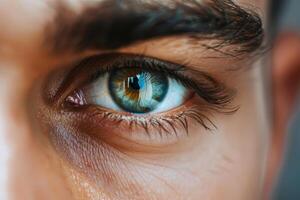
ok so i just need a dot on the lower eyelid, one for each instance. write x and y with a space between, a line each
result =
154 130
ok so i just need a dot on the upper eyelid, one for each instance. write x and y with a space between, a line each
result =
213 92
109 61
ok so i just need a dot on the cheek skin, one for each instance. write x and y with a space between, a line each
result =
248 133
199 167
196 167
121 176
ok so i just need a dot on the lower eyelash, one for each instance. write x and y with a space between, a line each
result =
164 125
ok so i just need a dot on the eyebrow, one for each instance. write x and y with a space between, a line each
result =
114 24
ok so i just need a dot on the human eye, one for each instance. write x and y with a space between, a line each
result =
133 87
141 99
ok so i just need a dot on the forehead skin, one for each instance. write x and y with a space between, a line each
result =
22 34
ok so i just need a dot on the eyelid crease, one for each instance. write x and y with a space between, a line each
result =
214 93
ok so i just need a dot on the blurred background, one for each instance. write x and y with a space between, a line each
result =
288 187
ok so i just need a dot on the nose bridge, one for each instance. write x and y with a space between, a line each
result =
13 133
27 170
8 126
16 142
5 154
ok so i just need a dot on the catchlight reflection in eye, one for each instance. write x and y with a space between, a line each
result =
137 91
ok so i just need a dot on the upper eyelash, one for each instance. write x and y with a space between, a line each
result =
217 95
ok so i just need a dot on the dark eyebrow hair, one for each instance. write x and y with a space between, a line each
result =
115 23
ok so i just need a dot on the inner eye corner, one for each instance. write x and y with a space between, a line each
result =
75 99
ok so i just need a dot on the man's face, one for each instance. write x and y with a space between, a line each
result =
132 100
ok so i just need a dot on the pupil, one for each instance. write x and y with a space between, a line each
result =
136 82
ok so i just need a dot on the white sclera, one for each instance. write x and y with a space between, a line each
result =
175 97
98 93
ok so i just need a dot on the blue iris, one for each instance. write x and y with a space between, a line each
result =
136 90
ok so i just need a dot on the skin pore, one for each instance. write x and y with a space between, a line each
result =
213 145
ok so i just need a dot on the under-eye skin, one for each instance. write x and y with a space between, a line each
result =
138 97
